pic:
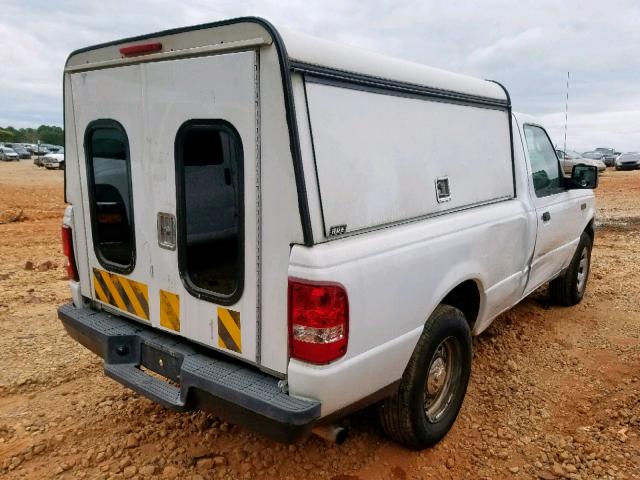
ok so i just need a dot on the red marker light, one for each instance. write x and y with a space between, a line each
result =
141 49
67 249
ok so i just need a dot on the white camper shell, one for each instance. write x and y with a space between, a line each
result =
222 178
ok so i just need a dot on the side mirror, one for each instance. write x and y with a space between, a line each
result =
583 177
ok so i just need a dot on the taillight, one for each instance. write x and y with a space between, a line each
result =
67 249
318 321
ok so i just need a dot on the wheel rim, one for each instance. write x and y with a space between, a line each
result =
444 369
583 269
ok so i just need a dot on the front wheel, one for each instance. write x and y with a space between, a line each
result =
434 383
569 288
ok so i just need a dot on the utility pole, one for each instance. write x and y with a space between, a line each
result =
566 116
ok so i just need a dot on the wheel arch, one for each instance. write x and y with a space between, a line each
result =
590 229
466 296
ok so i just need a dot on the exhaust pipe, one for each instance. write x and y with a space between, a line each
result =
331 433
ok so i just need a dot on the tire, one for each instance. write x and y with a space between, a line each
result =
413 417
568 289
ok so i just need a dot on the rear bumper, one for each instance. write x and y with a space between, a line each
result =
236 392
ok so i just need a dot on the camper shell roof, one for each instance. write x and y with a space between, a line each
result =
299 52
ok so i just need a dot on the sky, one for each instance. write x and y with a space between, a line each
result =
527 45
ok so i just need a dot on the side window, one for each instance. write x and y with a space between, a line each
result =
111 205
545 167
209 173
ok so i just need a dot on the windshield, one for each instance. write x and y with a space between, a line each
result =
605 150
630 156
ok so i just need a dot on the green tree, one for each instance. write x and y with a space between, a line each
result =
44 133
6 135
50 134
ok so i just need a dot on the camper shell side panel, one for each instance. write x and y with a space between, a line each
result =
382 154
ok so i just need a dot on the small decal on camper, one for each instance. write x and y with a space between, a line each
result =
120 292
337 230
170 310
229 332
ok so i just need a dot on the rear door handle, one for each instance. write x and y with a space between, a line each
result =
546 216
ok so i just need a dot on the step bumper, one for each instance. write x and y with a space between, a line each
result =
189 376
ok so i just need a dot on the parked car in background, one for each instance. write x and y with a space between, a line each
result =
52 148
53 161
22 152
595 156
570 158
8 154
40 150
609 155
628 161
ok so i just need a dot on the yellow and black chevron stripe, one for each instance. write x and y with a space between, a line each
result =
170 310
120 292
229 332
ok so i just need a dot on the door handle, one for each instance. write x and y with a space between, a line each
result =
546 216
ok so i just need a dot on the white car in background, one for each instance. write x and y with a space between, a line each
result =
628 161
570 158
54 161
8 154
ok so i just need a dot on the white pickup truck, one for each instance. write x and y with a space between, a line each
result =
288 229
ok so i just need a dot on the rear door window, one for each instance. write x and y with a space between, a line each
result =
109 182
210 209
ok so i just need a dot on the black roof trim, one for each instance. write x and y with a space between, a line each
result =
379 83
509 109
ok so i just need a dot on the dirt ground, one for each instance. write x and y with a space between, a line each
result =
554 393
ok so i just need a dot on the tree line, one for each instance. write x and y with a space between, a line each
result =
44 133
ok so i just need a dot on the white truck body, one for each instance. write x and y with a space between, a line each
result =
399 182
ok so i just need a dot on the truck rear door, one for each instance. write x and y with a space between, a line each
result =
168 150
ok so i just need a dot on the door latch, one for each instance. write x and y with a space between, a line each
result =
546 216
166 231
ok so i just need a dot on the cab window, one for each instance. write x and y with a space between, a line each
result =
545 167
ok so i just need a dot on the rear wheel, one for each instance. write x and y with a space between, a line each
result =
568 289
434 383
